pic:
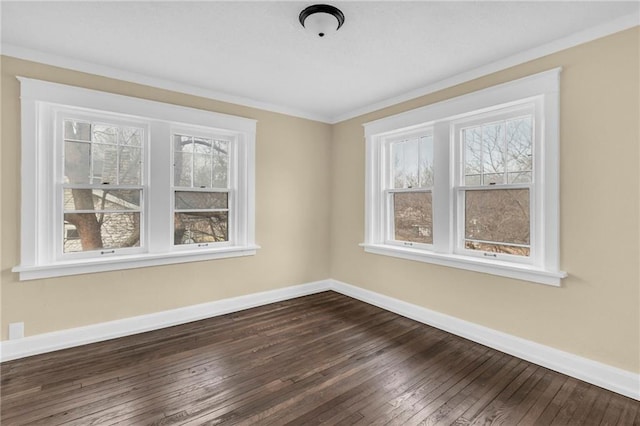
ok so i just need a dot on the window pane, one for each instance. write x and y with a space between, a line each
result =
493 155
182 169
472 156
519 145
130 165
182 143
220 164
202 171
95 231
99 199
201 200
196 227
105 134
200 163
202 146
105 163
412 163
425 162
519 177
111 154
497 248
77 130
183 160
413 217
498 216
130 136
77 162
498 153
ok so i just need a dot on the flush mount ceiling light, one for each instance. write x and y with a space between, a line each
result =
322 19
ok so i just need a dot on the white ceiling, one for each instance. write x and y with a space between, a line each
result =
257 53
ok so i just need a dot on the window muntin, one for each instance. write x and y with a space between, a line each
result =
101 196
202 189
408 188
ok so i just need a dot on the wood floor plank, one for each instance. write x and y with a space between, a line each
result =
382 385
285 363
612 412
495 410
429 392
540 405
584 406
319 359
512 371
333 376
426 411
431 386
571 405
594 415
629 415
454 409
525 399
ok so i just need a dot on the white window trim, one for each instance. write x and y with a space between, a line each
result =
544 88
38 104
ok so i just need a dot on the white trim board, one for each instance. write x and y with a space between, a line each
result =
614 379
584 36
63 339
146 80
599 374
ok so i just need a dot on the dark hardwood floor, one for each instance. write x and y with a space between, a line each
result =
324 358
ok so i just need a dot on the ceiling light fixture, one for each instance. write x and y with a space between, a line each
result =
322 19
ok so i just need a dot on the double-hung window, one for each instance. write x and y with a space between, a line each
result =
201 188
101 161
112 182
471 182
495 186
408 188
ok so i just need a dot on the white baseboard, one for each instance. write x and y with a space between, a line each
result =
608 377
48 342
605 376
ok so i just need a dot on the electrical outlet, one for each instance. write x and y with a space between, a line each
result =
16 330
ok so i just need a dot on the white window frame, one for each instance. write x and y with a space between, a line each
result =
231 190
540 91
532 107
389 190
42 101
54 239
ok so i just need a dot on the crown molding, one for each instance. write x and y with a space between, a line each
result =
584 36
575 39
160 83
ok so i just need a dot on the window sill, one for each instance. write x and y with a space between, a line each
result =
494 267
114 263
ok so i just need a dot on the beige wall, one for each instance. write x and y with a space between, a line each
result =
596 312
310 219
292 221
